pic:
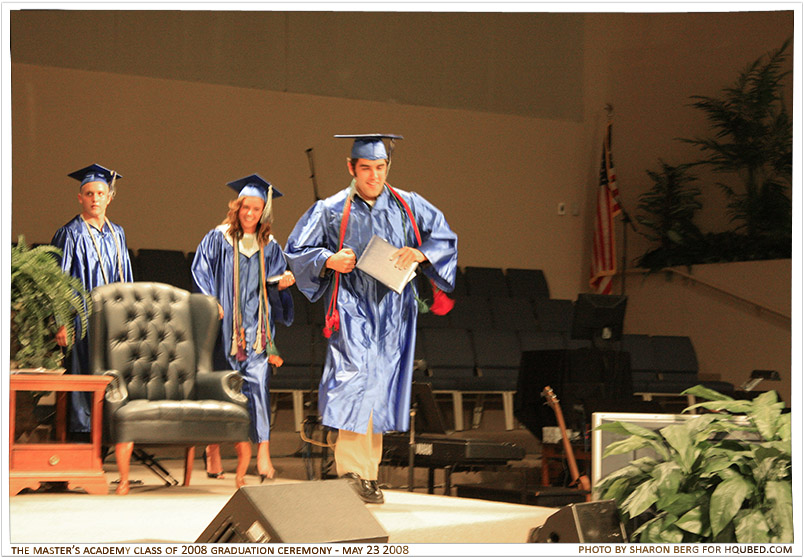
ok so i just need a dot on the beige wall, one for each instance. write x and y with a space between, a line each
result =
498 178
502 114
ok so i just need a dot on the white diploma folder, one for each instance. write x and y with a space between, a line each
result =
376 261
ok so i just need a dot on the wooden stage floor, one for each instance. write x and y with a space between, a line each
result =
154 513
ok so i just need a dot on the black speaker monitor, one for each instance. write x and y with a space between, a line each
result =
587 522
303 512
599 317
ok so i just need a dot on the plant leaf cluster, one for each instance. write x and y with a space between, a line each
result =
43 298
667 213
699 485
751 142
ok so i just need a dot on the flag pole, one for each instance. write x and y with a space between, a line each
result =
625 218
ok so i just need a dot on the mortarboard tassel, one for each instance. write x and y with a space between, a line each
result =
442 304
332 323
241 345
274 358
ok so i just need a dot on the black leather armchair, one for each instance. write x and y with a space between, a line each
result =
156 342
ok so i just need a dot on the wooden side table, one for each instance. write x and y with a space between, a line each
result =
553 452
80 465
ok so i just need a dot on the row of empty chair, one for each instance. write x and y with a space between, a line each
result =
173 267
496 282
163 266
661 363
474 312
475 349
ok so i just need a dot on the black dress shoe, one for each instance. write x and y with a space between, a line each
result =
369 491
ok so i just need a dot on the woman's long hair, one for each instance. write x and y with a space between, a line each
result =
236 230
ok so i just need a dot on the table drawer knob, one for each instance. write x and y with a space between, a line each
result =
54 460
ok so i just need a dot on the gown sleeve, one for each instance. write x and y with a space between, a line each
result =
439 243
64 241
281 301
205 263
307 251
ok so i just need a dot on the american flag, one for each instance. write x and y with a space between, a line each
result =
604 256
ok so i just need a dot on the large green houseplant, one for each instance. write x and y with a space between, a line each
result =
43 298
749 150
702 487
752 143
666 213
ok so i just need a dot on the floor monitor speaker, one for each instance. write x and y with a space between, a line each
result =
586 522
304 512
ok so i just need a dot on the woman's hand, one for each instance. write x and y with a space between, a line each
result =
286 280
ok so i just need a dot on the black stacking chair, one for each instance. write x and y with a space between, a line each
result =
300 373
471 312
460 285
676 361
497 358
554 314
527 283
644 372
513 314
164 266
542 340
485 281
451 365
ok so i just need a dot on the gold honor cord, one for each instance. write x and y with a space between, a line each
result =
98 250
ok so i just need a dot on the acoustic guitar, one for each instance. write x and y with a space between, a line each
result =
581 481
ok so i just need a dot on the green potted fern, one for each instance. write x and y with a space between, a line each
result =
666 213
43 297
701 486
751 145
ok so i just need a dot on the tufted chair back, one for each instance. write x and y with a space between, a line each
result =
150 338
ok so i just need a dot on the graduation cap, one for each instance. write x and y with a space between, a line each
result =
371 146
256 186
95 173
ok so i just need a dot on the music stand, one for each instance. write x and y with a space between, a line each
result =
427 418
599 318
430 422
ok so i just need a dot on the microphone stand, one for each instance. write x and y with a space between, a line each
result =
626 220
309 152
412 447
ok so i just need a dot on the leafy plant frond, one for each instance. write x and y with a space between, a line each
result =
752 138
43 298
750 144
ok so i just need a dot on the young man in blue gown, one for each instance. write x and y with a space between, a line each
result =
366 385
93 250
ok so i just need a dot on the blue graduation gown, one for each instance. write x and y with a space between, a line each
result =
213 274
80 259
369 363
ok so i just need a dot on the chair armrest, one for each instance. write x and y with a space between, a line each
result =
220 385
116 396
